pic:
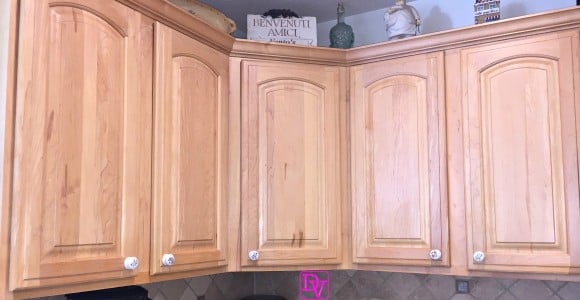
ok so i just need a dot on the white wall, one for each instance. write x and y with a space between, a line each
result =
437 15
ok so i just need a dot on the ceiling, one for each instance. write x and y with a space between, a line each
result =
323 10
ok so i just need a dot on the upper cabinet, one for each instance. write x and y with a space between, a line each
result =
398 171
521 155
82 147
291 188
143 145
190 155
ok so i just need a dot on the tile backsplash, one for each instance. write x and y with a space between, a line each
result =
359 285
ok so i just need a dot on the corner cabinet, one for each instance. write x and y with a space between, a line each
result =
520 115
291 183
398 171
190 153
82 149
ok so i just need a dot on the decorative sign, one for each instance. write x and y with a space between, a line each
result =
295 31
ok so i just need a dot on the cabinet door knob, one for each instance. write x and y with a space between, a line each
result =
478 257
131 263
168 260
254 255
435 254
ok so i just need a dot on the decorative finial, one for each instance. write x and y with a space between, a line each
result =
340 9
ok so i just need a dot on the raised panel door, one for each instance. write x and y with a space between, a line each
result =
398 159
521 154
190 154
81 176
290 164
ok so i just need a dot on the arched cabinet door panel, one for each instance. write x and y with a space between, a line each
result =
399 186
190 155
291 195
81 178
521 158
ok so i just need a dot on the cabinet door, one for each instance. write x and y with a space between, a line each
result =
521 154
399 186
81 180
290 164
190 154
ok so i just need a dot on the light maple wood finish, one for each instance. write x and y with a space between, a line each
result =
234 163
521 156
190 154
399 187
291 188
8 15
288 53
345 169
181 20
80 192
455 163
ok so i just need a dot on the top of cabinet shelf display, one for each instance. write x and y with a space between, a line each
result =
178 18
551 21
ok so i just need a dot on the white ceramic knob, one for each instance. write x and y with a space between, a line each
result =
478 257
253 255
168 260
435 254
131 263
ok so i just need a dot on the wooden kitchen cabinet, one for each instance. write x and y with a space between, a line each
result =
398 170
521 155
314 158
291 183
82 143
190 154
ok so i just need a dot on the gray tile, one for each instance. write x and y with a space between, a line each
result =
223 281
385 275
461 297
153 288
174 289
214 293
242 285
403 284
199 284
160 296
486 288
274 278
369 284
555 285
507 282
351 272
389 293
571 291
442 287
289 288
531 290
556 297
188 294
348 292
423 293
263 284
421 277
506 296
337 280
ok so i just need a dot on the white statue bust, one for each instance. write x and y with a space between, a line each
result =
402 21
